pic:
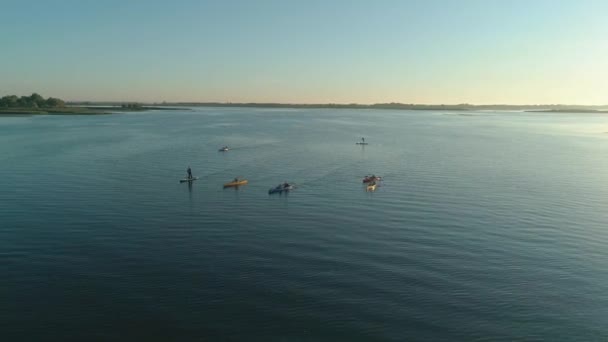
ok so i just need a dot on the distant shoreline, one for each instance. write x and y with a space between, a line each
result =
76 110
105 108
568 111
393 105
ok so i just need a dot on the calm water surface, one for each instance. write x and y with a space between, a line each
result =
488 226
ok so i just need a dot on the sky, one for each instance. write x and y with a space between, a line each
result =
307 51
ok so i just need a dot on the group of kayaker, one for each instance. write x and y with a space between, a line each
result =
371 180
236 182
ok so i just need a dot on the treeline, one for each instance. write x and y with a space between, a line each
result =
395 105
131 105
32 101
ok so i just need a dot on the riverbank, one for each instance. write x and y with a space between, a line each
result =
80 110
404 106
103 109
592 111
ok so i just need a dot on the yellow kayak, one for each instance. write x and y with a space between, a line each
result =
236 183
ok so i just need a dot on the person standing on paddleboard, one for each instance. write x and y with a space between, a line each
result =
189 173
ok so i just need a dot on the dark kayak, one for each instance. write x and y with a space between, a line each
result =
280 188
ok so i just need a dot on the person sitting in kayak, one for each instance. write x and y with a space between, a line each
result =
189 173
285 185
236 179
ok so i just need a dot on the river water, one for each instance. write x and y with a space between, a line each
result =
487 226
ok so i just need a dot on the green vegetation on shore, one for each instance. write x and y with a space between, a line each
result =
37 105
34 101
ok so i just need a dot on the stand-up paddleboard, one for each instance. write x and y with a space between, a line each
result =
362 142
188 179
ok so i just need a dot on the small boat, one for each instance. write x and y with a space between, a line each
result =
371 186
237 182
280 188
188 179
371 178
224 149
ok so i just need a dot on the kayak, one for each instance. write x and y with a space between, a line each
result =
280 189
368 179
223 149
188 179
237 183
371 187
361 143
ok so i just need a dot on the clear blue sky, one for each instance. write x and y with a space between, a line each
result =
476 51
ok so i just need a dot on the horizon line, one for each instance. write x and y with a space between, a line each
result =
224 103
